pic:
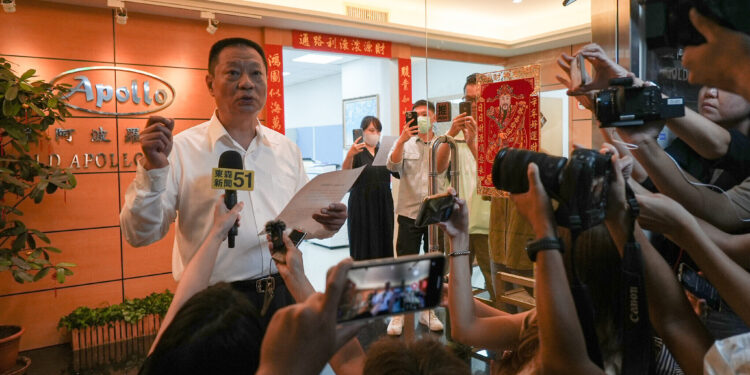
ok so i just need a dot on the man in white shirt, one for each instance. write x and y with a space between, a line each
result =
410 157
173 179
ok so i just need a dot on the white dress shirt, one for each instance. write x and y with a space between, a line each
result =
414 170
182 191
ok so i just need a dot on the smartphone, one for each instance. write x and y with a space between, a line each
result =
356 133
410 115
699 286
464 107
279 250
578 74
434 209
382 287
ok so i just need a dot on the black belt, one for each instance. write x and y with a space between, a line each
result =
260 284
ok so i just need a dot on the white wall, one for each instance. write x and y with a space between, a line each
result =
313 103
373 76
445 78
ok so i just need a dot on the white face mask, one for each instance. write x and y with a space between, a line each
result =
372 139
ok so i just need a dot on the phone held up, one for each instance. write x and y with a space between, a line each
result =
409 116
578 74
434 209
382 287
356 134
464 107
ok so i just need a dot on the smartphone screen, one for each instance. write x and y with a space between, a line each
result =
297 237
384 287
700 287
434 209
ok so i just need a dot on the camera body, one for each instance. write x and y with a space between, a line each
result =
580 184
668 21
624 105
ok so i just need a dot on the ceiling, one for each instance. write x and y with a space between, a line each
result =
302 72
489 27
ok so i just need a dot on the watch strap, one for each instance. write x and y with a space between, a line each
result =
545 243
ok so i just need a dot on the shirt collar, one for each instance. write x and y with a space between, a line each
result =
216 132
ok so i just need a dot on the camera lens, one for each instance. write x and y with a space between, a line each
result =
511 164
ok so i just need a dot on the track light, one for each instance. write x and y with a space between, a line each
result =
568 2
9 6
121 15
213 25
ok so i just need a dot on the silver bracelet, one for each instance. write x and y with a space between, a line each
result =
459 253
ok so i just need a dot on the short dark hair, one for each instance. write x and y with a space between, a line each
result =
219 46
216 331
371 119
423 357
421 103
470 80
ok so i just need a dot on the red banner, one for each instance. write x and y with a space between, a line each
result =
275 96
404 91
340 44
508 116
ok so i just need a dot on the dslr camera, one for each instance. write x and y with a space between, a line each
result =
580 184
624 105
668 21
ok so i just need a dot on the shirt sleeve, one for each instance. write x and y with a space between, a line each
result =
740 197
150 205
394 167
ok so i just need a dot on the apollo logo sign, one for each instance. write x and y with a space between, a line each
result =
144 93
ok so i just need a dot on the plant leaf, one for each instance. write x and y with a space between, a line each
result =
65 264
12 93
60 275
40 235
20 241
28 74
42 273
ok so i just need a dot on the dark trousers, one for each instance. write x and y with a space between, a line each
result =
409 237
281 297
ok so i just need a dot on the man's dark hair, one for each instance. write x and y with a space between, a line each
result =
219 46
371 119
471 80
216 332
422 102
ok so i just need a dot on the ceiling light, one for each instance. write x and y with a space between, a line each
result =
314 58
286 74
517 1
121 15
213 25
9 6
568 2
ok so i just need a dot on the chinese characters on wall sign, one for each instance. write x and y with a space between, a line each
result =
340 44
404 90
275 96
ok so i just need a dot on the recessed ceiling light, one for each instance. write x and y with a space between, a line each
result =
286 74
314 58
517 1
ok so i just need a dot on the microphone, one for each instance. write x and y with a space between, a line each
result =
231 160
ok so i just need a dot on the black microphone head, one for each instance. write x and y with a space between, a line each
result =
230 159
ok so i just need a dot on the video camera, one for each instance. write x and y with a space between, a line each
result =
580 184
624 105
668 21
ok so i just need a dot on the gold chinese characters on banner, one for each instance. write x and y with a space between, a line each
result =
340 44
275 95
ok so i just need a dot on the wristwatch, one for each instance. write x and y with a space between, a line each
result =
546 243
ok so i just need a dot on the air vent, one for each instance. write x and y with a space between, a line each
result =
365 14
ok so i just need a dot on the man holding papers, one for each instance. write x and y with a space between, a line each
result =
173 180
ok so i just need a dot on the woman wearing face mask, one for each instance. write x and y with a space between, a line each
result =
370 201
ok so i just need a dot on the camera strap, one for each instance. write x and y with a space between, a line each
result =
637 339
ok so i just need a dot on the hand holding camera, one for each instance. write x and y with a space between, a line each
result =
535 205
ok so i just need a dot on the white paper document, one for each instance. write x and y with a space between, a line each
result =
386 143
317 194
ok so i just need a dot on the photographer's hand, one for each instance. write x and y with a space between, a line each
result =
535 206
722 61
457 226
292 270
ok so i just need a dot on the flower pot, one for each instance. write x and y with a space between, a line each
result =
10 338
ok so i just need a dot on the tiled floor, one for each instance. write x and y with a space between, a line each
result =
125 359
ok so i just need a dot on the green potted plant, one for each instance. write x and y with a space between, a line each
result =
28 109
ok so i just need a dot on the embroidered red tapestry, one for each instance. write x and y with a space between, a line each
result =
507 116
